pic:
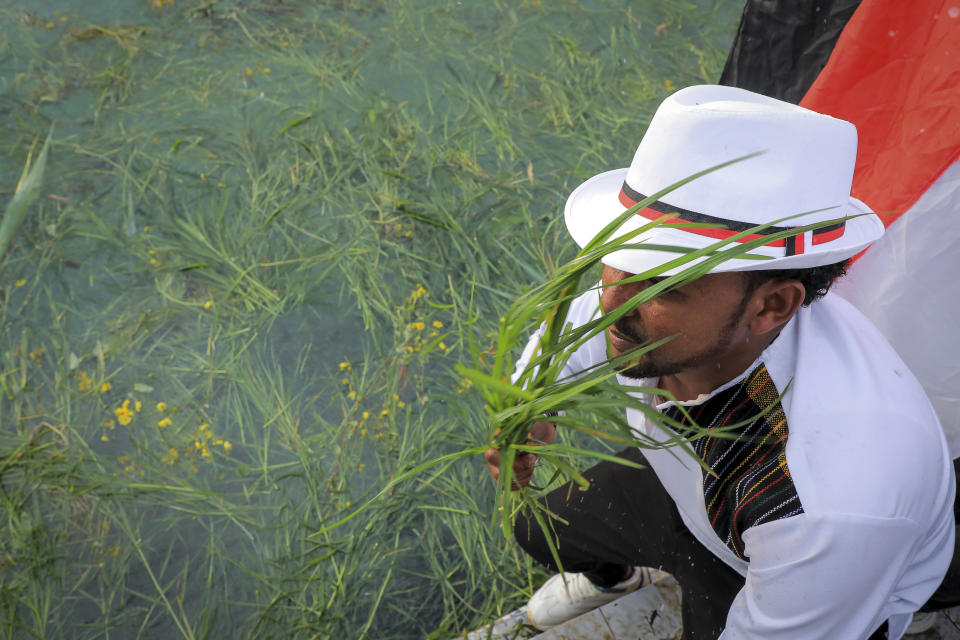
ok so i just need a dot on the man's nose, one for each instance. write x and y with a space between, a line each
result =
616 295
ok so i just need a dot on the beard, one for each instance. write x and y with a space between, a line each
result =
654 364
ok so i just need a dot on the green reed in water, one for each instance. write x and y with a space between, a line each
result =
220 316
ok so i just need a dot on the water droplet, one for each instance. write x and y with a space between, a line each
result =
953 12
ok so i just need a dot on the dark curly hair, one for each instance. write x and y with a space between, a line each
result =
815 280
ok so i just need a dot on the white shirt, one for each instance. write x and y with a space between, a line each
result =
861 528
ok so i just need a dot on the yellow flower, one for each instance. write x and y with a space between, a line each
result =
161 407
352 395
153 262
123 413
249 71
417 325
208 304
83 381
437 324
137 406
345 366
227 446
105 438
432 334
443 346
385 412
365 415
106 386
109 423
166 422
205 452
20 283
401 404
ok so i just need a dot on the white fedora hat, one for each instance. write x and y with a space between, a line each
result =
803 164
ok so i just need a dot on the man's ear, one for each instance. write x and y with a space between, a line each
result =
775 303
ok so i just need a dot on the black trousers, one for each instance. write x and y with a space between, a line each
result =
624 519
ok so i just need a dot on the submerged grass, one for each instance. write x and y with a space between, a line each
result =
267 235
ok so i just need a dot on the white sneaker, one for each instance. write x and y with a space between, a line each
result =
567 595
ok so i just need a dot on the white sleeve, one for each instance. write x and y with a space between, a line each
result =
583 309
821 576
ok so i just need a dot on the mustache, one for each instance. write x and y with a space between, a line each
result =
628 332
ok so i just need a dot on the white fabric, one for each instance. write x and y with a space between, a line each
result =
908 284
871 467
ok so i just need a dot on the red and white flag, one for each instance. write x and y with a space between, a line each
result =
894 71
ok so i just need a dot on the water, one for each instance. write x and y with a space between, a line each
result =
243 201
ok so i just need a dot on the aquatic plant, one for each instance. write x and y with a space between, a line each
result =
25 195
208 245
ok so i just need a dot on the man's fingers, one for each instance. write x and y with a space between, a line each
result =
523 466
523 463
492 457
543 432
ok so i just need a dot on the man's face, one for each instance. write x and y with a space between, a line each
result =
704 315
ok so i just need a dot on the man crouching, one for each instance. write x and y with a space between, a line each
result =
829 510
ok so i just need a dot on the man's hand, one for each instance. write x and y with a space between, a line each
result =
540 433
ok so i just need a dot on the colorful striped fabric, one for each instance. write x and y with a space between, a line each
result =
751 482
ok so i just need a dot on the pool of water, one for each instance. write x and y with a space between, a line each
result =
267 234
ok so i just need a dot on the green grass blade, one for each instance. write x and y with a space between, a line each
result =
25 195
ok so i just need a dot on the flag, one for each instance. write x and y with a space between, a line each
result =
892 68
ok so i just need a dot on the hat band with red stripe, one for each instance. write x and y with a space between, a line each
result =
725 228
